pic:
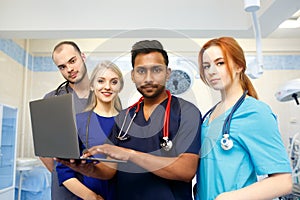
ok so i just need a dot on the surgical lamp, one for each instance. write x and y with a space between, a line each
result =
289 91
256 70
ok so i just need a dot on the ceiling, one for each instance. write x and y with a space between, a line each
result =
35 19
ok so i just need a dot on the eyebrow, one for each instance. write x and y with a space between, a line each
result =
103 77
218 59
156 65
63 65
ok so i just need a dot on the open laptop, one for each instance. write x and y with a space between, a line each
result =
54 128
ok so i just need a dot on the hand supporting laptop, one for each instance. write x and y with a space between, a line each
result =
97 169
82 166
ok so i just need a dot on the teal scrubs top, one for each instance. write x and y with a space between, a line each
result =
257 150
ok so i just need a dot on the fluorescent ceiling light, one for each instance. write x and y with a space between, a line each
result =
291 23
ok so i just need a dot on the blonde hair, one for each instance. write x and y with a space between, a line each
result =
92 99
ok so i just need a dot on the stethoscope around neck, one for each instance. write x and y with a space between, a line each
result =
226 142
65 85
165 143
59 88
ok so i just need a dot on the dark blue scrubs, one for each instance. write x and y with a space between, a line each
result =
99 129
135 182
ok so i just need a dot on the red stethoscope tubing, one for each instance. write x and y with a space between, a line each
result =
167 113
167 116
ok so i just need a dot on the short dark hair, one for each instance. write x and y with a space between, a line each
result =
67 43
148 46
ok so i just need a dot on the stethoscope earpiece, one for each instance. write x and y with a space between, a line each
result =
226 142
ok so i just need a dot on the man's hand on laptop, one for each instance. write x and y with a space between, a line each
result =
112 151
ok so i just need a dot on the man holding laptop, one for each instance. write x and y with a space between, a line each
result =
160 164
71 64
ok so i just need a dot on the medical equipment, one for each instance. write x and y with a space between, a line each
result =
59 88
226 142
289 91
87 133
294 154
165 143
255 70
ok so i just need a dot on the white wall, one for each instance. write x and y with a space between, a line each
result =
12 76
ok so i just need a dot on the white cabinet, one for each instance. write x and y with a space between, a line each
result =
8 131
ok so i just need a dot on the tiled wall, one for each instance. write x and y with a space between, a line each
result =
286 62
45 63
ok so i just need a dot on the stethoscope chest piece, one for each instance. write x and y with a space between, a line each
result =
123 137
166 144
226 142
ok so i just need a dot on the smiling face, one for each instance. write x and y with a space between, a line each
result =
106 85
150 74
70 63
216 69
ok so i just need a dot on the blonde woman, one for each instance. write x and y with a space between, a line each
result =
94 126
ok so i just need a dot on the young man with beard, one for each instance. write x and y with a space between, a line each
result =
158 136
71 63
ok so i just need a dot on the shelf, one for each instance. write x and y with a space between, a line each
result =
8 125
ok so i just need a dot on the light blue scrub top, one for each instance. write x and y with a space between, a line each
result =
257 150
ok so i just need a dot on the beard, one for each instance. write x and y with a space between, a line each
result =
84 72
156 90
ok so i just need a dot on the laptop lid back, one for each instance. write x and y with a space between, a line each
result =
54 127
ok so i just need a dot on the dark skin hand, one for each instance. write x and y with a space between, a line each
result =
81 166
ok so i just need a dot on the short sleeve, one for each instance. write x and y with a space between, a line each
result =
187 139
64 173
261 138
